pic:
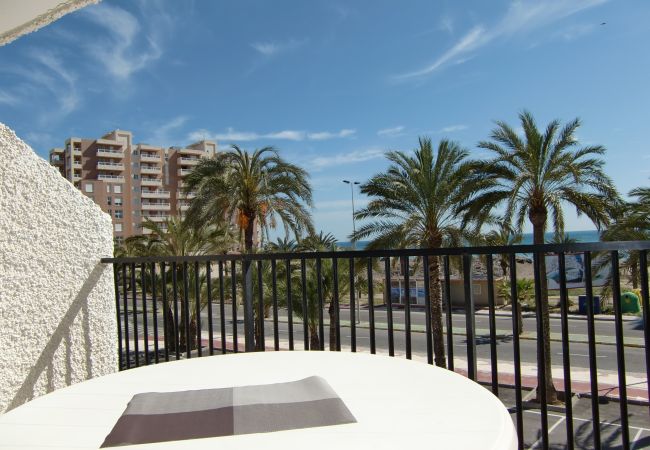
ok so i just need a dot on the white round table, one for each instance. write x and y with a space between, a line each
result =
397 404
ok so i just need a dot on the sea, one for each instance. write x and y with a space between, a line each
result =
580 236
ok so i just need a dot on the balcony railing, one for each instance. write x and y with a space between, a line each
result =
110 153
189 161
156 206
190 309
102 176
103 165
150 169
183 172
154 194
157 218
150 181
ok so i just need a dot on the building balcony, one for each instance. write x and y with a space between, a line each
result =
150 169
188 195
110 153
76 177
184 161
150 182
154 194
76 151
191 151
183 207
110 166
56 160
157 218
152 157
183 172
111 178
156 206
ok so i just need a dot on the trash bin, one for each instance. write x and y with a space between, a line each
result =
582 304
630 303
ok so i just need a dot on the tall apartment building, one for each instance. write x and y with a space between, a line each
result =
131 182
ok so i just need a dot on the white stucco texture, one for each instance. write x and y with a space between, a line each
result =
57 307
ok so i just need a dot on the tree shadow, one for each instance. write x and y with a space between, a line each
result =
45 361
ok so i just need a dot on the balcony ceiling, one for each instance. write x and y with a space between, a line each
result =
20 17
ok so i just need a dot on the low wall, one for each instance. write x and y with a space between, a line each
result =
57 311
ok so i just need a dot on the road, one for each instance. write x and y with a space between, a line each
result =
606 357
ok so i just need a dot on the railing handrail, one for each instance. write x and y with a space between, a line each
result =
451 251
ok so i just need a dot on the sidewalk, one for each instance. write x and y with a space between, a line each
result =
528 314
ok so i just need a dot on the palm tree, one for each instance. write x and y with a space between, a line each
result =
413 203
251 189
632 224
533 176
178 237
322 242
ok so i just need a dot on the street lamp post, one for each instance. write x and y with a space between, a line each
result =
352 183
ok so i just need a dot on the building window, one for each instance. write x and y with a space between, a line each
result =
135 176
118 201
109 200
88 187
119 214
135 152
118 227
108 188
117 189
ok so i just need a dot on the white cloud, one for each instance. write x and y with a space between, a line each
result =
453 128
269 49
521 17
128 48
51 74
391 132
162 134
446 23
7 98
289 135
346 158
324 135
575 31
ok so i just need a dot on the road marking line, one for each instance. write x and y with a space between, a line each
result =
580 354
550 430
589 420
636 439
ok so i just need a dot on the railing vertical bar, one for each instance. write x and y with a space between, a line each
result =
145 324
177 340
353 310
389 306
134 300
470 323
427 309
276 331
305 311
407 304
233 284
516 352
591 337
197 299
493 327
116 283
154 302
371 309
289 304
208 280
541 365
319 288
337 306
127 343
645 301
222 309
448 313
250 343
186 310
260 307
166 337
620 348
566 356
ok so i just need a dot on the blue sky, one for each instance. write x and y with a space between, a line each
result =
334 84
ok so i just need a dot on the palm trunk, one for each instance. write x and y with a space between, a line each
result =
333 320
248 246
538 220
314 341
436 312
170 330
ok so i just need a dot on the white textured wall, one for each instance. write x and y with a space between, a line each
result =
57 308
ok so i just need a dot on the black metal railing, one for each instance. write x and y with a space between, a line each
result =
173 307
